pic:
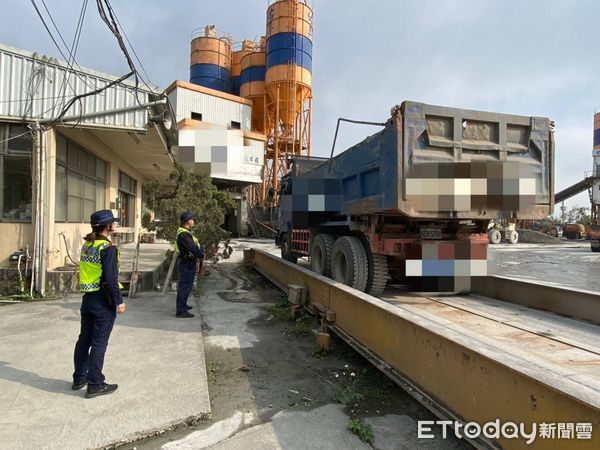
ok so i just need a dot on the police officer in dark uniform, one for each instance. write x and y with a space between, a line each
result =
190 251
102 300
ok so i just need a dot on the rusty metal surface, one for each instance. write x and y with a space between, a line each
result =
577 303
477 368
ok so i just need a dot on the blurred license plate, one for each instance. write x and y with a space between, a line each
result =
431 233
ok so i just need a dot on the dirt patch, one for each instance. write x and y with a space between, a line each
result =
535 237
260 362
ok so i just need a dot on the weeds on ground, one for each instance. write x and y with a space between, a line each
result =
198 290
347 395
345 390
212 372
303 326
362 430
320 353
280 310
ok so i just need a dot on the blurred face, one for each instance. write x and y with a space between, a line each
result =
191 222
112 227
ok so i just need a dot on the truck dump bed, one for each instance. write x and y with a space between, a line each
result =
439 163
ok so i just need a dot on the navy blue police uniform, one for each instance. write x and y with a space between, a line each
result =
189 254
98 309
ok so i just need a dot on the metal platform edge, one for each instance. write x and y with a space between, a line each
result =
464 380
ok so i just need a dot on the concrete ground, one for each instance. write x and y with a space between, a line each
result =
157 360
571 264
270 390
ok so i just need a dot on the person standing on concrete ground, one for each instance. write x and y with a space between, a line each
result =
102 300
190 252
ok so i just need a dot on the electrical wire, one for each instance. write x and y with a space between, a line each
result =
108 17
147 80
87 94
39 13
73 50
67 60
15 137
71 61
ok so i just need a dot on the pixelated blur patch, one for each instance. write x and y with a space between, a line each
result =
316 195
472 186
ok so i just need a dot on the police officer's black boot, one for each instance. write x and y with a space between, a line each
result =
103 389
79 384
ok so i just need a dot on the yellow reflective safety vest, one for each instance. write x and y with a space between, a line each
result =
185 230
90 265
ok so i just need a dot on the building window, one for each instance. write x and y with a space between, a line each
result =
236 125
196 116
15 172
127 186
80 182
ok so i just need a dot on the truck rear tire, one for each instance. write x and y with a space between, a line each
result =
286 252
378 275
349 264
512 237
320 254
494 236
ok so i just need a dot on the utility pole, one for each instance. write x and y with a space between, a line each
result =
40 171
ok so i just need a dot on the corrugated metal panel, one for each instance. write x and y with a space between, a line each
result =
214 110
37 87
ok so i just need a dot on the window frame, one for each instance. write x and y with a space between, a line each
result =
85 175
130 196
9 150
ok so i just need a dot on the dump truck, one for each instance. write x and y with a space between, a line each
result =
413 202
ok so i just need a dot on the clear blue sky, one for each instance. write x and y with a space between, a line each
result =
534 57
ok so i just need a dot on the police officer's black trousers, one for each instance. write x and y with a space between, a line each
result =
187 273
97 320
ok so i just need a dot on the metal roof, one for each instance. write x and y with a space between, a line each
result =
35 86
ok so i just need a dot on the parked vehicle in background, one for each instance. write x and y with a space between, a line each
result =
502 230
574 231
594 236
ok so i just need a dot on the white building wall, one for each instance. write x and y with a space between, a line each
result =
218 110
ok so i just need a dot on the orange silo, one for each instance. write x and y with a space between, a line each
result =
252 87
288 85
210 60
236 64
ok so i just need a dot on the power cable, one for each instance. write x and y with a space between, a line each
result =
72 52
108 16
87 94
67 60
15 137
147 80
56 43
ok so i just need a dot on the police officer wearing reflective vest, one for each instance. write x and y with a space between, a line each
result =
190 251
102 301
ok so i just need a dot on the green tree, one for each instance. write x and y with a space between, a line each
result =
579 214
187 191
